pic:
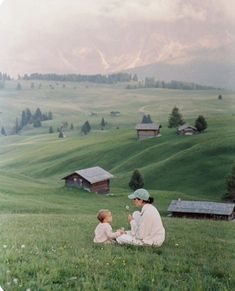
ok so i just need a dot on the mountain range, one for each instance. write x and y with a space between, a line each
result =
169 40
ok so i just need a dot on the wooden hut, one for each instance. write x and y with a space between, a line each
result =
147 130
93 179
187 129
202 209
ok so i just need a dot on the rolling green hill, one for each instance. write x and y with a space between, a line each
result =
47 229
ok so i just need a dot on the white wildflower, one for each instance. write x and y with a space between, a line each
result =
22 246
127 207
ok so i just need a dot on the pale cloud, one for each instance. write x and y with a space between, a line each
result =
139 10
95 36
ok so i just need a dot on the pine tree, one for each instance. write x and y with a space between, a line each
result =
3 131
49 115
149 118
38 114
136 181
61 134
144 119
200 123
71 126
86 128
23 119
17 126
175 118
103 123
135 78
28 116
51 130
18 87
230 185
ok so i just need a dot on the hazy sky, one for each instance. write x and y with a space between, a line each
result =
99 36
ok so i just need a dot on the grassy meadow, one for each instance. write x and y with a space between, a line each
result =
47 229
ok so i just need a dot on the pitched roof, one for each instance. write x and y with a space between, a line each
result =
147 126
186 125
93 175
202 207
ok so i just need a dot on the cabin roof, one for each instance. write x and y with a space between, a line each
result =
186 125
147 126
93 175
202 207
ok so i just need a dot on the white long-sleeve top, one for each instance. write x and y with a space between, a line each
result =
104 233
150 229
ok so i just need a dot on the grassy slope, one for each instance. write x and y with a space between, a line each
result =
46 229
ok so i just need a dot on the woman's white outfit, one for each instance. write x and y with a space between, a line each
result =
145 230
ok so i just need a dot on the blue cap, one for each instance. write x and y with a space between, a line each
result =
141 194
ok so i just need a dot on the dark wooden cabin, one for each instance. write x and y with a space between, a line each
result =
93 179
147 130
202 209
187 129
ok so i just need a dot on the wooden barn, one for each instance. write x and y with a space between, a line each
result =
202 209
93 179
187 129
147 130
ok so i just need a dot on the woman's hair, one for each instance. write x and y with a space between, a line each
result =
149 201
102 214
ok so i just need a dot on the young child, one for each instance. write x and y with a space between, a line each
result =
103 231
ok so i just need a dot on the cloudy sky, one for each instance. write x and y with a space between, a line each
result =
102 36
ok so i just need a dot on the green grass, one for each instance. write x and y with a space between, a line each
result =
58 254
47 229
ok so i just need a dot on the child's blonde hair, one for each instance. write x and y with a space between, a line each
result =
102 214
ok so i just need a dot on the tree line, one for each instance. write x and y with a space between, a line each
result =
3 77
152 83
98 78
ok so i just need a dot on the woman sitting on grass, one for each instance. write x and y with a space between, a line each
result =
146 226
103 231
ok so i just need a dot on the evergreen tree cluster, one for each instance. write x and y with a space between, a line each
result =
98 78
147 119
176 119
27 117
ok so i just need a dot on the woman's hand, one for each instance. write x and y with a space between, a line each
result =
121 231
130 218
